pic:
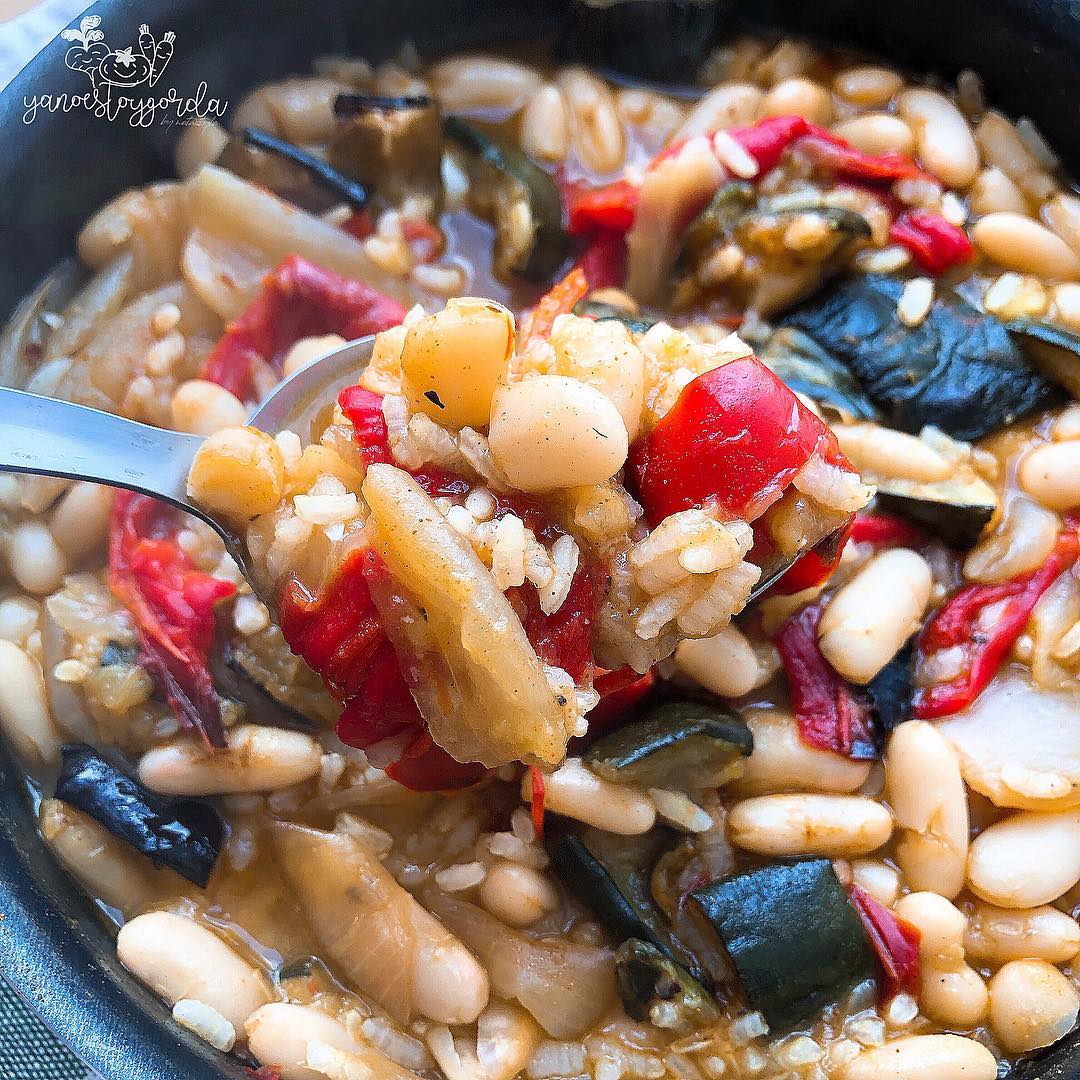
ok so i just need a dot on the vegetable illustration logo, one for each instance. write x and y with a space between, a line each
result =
133 66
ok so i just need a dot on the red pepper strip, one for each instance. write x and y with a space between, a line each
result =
895 941
604 209
812 569
297 300
830 715
603 262
558 300
365 411
830 152
173 606
425 241
536 779
359 224
264 1072
986 650
936 244
766 141
734 439
883 530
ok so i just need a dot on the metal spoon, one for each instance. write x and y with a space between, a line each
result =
48 437
56 438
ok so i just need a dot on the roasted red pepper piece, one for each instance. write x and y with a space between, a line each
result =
603 262
734 440
608 208
830 714
558 300
536 781
297 300
883 530
895 941
829 152
955 624
173 606
936 244
766 141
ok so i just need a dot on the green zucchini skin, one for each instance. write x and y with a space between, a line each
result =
548 246
646 978
1054 350
684 744
954 514
792 934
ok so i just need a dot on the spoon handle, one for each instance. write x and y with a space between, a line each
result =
56 438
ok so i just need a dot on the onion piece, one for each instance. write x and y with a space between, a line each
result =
473 672
225 274
101 297
566 986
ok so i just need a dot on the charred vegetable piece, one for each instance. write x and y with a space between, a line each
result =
890 691
958 370
730 203
611 876
815 373
349 190
647 980
182 834
684 745
1052 349
793 936
519 198
115 654
393 145
599 310
956 510
664 40
233 678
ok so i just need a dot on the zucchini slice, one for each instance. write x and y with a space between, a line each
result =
519 198
611 875
955 510
653 987
683 745
1054 350
792 934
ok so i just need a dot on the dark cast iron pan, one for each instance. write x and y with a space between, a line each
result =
55 171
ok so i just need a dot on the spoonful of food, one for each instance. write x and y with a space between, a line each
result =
48 437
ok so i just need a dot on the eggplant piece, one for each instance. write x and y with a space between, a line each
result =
959 370
816 374
235 680
716 222
659 40
519 198
647 980
685 744
891 690
344 187
601 310
182 834
611 875
795 939
393 145
955 510
1054 350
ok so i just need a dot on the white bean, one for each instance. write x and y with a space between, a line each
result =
877 878
877 133
177 958
994 191
308 349
278 1035
517 894
24 708
1062 214
255 759
888 454
782 761
201 143
1032 1005
1021 243
80 522
996 936
927 795
470 83
599 138
870 87
553 432
1050 474
943 138
729 105
923 1057
725 663
827 825
545 125
1026 859
868 620
949 990
19 618
799 97
36 560
1067 305
575 791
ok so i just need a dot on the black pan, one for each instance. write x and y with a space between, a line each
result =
57 169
